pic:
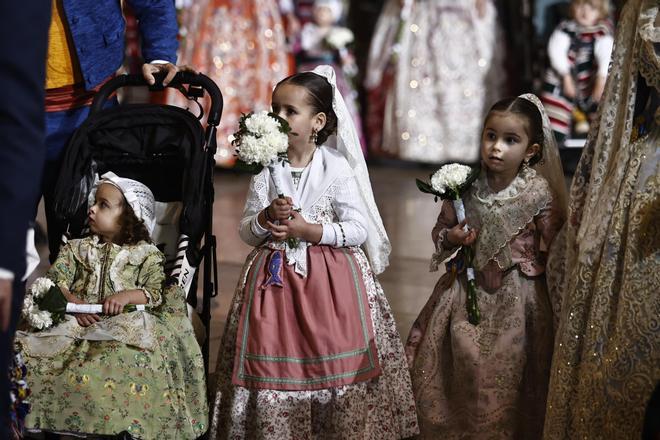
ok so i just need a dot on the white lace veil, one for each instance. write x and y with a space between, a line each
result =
550 166
347 143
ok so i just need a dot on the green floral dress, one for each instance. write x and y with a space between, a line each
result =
140 372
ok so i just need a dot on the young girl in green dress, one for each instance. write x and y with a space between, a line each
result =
141 372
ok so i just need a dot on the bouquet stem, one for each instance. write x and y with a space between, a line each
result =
471 304
292 242
98 308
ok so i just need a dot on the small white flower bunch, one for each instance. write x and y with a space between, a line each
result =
450 182
339 37
261 139
450 177
37 318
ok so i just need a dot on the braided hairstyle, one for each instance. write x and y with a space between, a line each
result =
319 97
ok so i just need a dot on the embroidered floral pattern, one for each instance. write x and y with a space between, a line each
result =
109 386
381 408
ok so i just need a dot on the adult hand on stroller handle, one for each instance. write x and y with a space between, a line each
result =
183 77
159 73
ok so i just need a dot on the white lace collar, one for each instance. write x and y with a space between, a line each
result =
484 194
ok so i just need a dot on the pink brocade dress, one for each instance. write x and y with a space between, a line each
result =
489 380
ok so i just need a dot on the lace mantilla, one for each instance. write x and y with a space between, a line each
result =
500 216
320 212
649 59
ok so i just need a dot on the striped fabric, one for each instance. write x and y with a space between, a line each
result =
583 70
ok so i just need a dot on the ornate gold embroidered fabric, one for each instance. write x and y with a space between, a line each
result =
607 350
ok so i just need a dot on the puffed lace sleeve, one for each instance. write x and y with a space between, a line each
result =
548 222
443 249
257 199
552 243
351 228
558 46
603 52
63 270
151 278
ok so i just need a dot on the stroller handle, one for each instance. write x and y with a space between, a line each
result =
181 78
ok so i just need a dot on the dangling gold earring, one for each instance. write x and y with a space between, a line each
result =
315 136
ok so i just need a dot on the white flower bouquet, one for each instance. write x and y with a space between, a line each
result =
262 141
45 305
450 183
339 37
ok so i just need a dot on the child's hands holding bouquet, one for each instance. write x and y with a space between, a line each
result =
458 236
116 304
84 319
292 225
279 209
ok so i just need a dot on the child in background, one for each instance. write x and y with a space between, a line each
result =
140 372
579 52
471 381
310 349
325 41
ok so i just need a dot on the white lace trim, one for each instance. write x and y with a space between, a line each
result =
89 250
135 256
517 186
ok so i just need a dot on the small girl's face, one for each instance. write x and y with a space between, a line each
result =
323 15
505 143
103 216
586 13
291 103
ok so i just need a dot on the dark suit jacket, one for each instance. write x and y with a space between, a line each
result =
23 44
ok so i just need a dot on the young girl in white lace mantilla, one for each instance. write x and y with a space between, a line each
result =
310 348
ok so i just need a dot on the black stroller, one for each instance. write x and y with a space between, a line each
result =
166 148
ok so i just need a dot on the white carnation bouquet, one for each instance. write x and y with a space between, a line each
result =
40 306
339 37
45 305
262 141
450 183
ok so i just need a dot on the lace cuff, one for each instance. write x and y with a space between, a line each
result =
252 232
256 229
443 250
151 302
329 236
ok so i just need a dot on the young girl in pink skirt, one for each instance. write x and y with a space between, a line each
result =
310 349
